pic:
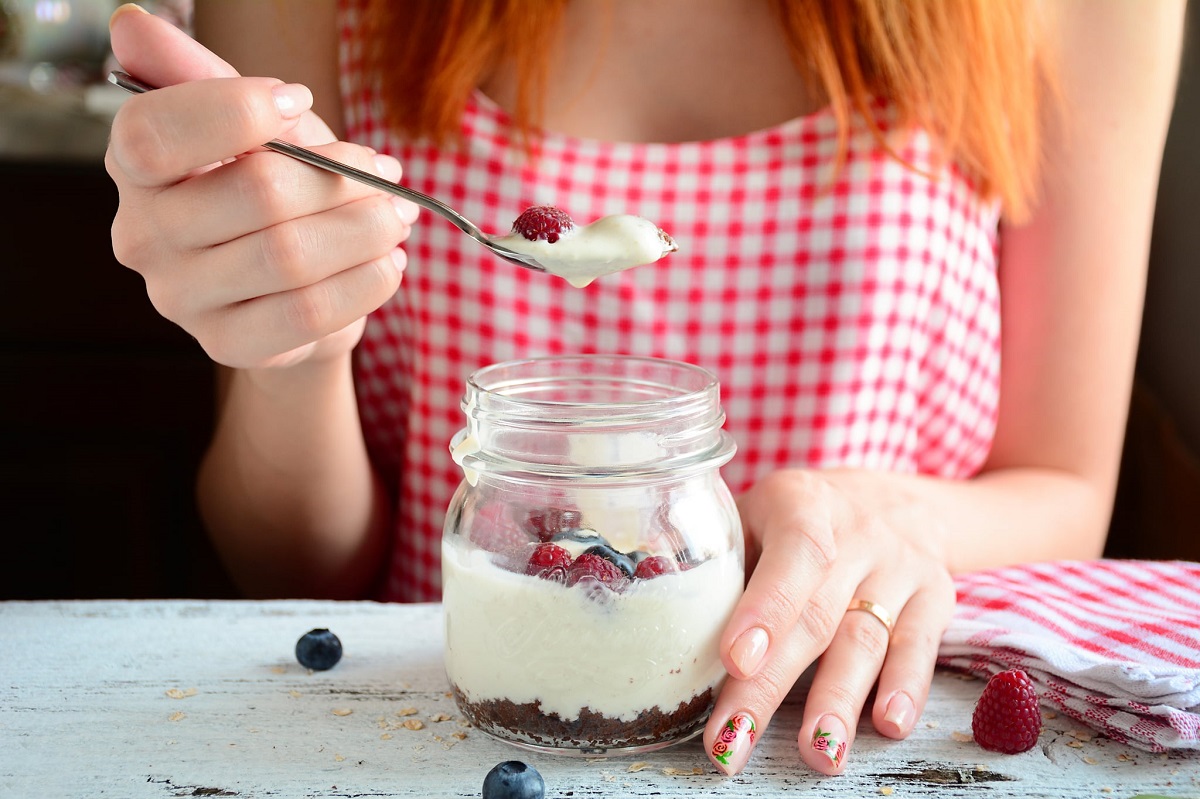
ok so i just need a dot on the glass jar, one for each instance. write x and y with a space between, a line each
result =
592 554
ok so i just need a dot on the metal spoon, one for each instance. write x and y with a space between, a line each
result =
135 86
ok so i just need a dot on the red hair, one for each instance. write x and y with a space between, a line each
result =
971 71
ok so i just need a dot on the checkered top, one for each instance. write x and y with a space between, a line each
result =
851 320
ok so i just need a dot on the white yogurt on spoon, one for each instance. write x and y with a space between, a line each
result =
580 254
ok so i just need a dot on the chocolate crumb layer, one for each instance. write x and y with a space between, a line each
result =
591 730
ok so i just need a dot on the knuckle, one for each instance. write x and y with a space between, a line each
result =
348 153
249 110
841 698
797 493
269 184
136 144
782 605
222 336
771 685
282 250
943 588
384 224
868 635
821 547
165 299
818 619
308 310
218 349
922 642
111 165
127 242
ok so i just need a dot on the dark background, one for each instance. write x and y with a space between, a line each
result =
105 407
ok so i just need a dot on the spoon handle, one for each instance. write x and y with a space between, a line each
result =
135 86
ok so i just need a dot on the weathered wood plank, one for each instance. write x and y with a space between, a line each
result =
86 710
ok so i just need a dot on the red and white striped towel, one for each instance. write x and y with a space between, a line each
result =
1114 644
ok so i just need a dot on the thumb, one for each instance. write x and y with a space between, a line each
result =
155 51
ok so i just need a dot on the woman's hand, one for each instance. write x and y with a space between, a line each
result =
813 553
264 260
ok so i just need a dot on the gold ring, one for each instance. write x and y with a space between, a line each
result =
876 610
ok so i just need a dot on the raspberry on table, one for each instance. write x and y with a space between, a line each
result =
1007 718
549 562
543 222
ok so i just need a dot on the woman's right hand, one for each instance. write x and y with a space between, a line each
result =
266 261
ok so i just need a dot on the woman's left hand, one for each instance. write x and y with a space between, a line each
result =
822 566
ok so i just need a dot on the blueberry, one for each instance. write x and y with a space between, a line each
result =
513 779
618 559
318 650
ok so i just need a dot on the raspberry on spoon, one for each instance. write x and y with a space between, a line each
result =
543 222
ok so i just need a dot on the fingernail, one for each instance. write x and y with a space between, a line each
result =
387 166
399 260
292 99
122 9
406 210
748 650
900 711
732 747
829 739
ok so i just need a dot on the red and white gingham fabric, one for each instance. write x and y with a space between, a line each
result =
850 323
1113 644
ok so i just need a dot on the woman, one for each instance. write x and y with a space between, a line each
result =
866 235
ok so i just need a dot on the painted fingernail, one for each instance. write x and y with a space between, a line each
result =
732 747
829 739
292 99
900 711
748 650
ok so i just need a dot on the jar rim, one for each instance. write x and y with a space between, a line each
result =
592 416
518 383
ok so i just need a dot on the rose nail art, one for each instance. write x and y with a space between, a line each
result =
734 741
830 740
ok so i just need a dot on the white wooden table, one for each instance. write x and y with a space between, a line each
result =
192 698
